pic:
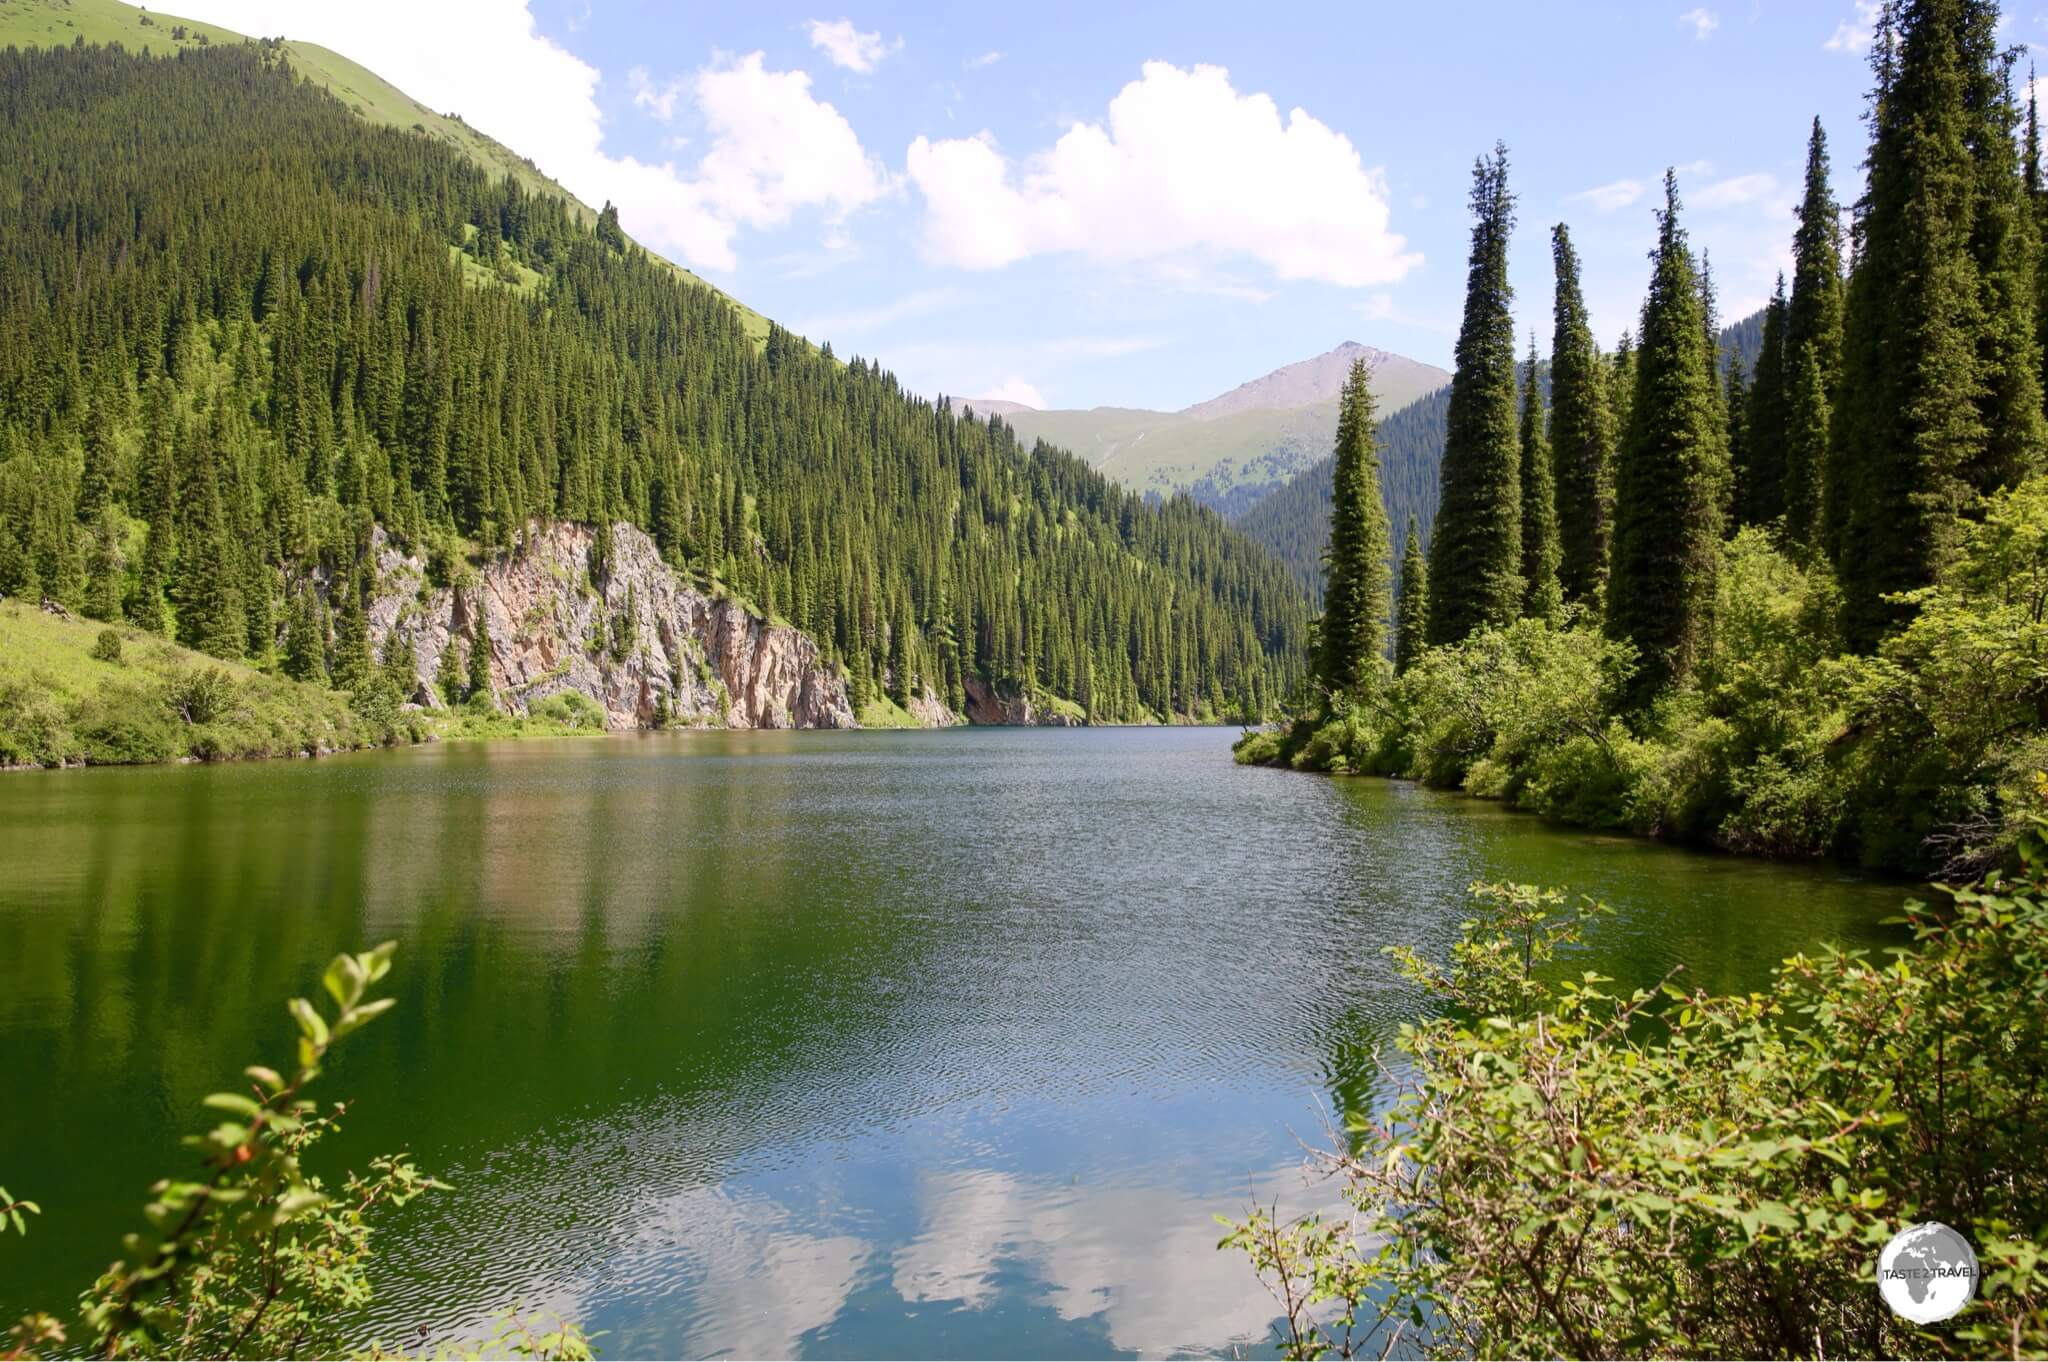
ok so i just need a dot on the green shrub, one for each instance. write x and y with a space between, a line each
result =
201 695
121 725
571 709
1569 1171
33 730
107 647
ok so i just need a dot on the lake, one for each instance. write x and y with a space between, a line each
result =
746 1044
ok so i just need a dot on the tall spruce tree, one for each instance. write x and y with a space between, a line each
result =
1476 544
1667 485
1735 402
1542 597
350 669
1760 474
1813 351
2037 198
2006 244
210 613
1621 391
1411 628
1357 567
1581 436
1940 398
480 687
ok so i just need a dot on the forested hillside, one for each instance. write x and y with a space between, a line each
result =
239 326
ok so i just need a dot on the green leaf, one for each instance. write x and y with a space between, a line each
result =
234 1102
311 1024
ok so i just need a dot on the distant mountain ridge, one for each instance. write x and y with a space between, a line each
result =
1232 449
1321 379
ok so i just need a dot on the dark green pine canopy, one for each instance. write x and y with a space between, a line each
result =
1475 568
1671 475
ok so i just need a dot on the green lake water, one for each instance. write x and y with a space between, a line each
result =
826 1044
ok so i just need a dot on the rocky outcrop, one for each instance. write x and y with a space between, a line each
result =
986 705
644 644
928 709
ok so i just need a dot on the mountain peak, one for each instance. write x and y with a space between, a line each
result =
1300 384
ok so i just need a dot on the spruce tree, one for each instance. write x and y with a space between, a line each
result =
104 569
1760 473
2037 198
1476 545
1735 402
305 639
1356 565
480 688
1667 486
1621 391
1581 437
399 665
210 614
449 676
351 667
1813 351
1940 399
146 606
1411 630
96 480
1542 597
2005 243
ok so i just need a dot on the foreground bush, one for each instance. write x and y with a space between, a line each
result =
1567 1171
250 1254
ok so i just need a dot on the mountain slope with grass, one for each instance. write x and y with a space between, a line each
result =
1235 448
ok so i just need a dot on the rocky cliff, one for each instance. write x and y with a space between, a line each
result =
643 643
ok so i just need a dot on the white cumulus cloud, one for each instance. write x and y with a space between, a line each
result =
1184 164
1702 21
1014 389
1855 34
772 150
844 45
989 58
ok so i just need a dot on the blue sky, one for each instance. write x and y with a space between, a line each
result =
1139 205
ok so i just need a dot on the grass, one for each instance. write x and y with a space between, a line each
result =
58 23
883 712
476 274
60 705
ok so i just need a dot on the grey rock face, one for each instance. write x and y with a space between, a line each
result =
637 639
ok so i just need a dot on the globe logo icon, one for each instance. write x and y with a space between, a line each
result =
1927 1273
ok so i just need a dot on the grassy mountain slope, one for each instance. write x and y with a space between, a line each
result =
59 23
63 703
1233 449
